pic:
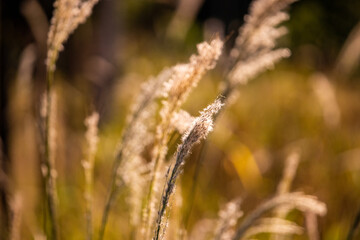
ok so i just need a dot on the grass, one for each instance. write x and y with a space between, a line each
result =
131 194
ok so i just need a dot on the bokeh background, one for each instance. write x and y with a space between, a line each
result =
309 103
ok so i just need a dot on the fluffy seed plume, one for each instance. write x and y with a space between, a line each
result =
200 129
133 171
181 121
304 203
254 52
254 47
184 78
201 126
244 71
202 230
68 14
261 30
91 123
136 136
228 218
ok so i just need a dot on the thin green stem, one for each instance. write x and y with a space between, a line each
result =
147 207
161 143
114 187
48 176
88 198
112 193
191 199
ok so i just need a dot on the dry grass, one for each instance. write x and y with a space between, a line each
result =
138 199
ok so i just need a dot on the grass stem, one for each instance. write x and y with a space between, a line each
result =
48 175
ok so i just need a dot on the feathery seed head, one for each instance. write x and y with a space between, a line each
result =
68 14
203 124
91 123
254 47
181 121
186 76
228 217
242 72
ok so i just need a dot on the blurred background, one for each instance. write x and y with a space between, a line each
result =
308 104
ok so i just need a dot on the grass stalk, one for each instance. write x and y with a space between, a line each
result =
48 175
115 187
160 144
150 195
200 159
113 191
199 131
91 135
111 196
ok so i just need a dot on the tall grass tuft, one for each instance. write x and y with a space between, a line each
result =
68 14
255 47
129 167
200 129
184 78
171 87
254 52
156 115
